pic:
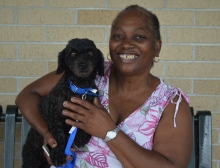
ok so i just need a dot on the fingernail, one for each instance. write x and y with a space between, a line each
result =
64 103
64 112
72 99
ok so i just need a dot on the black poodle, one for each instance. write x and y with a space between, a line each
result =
80 61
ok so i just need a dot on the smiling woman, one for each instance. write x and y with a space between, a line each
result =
148 122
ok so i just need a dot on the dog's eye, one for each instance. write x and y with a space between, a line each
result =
73 54
90 53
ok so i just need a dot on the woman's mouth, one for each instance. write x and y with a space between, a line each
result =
128 56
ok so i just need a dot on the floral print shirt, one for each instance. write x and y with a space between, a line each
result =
139 126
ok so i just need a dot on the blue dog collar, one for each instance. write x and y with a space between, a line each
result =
83 91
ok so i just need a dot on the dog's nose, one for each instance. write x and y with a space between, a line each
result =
82 66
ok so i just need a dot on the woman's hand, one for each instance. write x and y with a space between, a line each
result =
92 118
49 139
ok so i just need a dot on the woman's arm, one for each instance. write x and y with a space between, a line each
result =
28 100
172 146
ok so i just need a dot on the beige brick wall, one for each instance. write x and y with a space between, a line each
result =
33 32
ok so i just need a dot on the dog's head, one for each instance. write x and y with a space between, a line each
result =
82 58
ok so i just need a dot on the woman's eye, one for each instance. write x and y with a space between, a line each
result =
117 37
140 37
90 53
73 54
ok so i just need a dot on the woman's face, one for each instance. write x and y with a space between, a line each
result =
132 45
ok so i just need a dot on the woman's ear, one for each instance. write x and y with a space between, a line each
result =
158 47
61 62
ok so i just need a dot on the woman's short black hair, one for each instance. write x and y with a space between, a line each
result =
151 20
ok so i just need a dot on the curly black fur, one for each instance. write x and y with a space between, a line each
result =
80 61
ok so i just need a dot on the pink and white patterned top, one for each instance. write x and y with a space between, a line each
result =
139 126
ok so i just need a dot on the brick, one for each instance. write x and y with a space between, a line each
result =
183 84
63 34
210 103
22 68
45 16
1 160
96 17
192 70
215 120
17 163
176 52
18 132
17 151
22 33
208 18
143 3
52 66
40 51
8 85
215 152
207 53
2 149
7 51
215 136
162 34
2 134
22 3
104 48
7 100
77 3
8 16
215 164
193 35
193 4
23 82
175 17
211 87
158 69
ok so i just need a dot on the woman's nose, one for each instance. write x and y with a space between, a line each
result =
127 44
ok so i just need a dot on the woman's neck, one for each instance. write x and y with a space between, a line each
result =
130 83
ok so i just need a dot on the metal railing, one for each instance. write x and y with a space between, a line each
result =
10 118
202 130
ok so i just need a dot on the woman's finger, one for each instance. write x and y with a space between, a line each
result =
73 115
75 124
97 102
81 102
75 107
49 139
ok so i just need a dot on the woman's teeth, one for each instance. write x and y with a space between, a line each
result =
128 57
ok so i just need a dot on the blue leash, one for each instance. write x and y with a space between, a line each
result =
68 152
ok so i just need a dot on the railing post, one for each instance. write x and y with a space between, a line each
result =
11 112
25 127
205 139
192 163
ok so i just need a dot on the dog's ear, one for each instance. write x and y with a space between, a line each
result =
100 65
61 62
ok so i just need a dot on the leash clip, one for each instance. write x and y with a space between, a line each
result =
84 96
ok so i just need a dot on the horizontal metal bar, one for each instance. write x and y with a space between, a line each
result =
18 118
11 109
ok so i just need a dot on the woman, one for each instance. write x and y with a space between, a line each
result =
148 123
